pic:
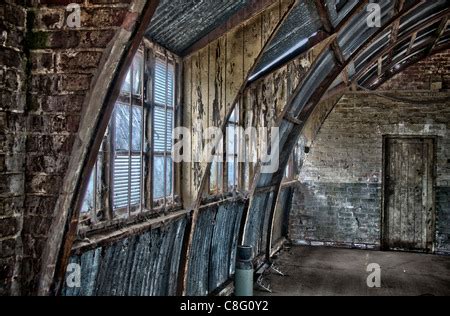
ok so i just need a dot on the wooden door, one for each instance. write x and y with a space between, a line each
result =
409 217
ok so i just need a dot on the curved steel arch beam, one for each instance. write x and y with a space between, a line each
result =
389 49
302 103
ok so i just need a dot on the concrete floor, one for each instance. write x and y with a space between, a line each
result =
341 272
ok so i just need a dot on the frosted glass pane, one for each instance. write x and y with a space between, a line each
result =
122 137
137 128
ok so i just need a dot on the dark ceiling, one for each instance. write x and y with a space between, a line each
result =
178 24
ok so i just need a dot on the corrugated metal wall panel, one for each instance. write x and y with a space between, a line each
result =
145 265
214 248
258 221
281 217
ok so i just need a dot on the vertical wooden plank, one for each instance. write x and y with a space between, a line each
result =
197 119
234 65
204 95
252 42
284 6
187 113
430 210
217 80
270 19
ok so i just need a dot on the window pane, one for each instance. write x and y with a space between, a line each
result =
169 130
158 178
137 128
169 177
122 137
88 203
161 182
138 64
231 174
121 183
137 77
136 180
123 178
159 131
170 86
126 86
164 83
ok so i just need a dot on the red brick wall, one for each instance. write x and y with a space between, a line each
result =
12 140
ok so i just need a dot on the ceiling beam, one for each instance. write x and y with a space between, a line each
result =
409 63
253 8
328 27
440 31
391 46
395 29
411 43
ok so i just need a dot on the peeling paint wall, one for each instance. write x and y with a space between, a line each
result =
213 77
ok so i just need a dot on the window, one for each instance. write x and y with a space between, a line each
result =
163 124
127 141
230 178
134 172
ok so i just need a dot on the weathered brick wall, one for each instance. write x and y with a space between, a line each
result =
338 201
12 140
47 72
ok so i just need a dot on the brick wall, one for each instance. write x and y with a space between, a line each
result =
12 140
47 72
338 200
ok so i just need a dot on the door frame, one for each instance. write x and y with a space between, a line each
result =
383 225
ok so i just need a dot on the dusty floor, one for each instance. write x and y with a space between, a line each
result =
341 272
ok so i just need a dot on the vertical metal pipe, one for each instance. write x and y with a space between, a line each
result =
244 272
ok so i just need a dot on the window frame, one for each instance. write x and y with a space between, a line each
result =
222 168
104 215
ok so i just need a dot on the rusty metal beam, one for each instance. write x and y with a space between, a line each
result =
440 31
395 28
408 64
292 119
253 8
324 16
391 46
411 43
328 26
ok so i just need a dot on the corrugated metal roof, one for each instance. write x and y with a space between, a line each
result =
178 24
293 36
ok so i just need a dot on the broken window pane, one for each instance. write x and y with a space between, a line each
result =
158 178
122 135
126 86
138 64
137 128
169 178
164 83
88 203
